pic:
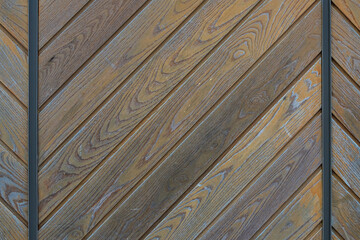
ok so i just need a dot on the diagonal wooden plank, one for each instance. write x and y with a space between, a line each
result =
345 211
152 83
13 124
241 164
351 9
208 140
14 17
346 158
346 102
11 228
317 234
13 182
13 68
54 14
345 45
108 70
136 101
134 169
300 216
92 28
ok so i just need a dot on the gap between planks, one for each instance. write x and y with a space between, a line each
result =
91 57
13 154
12 95
344 185
345 17
202 118
342 70
265 168
10 209
14 39
342 126
291 198
76 130
278 98
72 19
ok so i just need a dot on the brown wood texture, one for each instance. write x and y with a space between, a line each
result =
90 30
13 68
14 18
11 227
346 117
54 15
240 165
13 119
110 139
144 103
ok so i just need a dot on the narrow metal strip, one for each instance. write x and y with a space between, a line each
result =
326 116
33 119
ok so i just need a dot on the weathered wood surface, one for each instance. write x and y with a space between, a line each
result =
346 101
300 216
91 29
54 14
151 83
345 210
11 228
106 192
14 18
345 45
346 112
351 9
13 124
13 68
13 182
240 165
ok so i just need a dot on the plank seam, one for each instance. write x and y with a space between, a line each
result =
12 210
77 129
71 20
13 154
336 233
314 231
287 202
33 29
347 131
346 75
140 181
90 58
326 116
345 18
344 185
14 39
279 97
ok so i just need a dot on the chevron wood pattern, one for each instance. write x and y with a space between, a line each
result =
346 117
13 119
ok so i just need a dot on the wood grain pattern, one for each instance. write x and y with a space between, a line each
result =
13 68
300 216
109 126
178 171
11 228
345 45
109 189
240 165
13 124
54 14
89 31
13 182
346 101
316 235
14 17
346 158
351 9
108 70
345 211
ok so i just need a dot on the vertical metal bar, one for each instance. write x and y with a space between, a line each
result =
326 116
33 119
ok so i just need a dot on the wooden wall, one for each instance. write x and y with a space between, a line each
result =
346 118
13 119
179 119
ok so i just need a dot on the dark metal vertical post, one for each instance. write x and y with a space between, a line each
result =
33 119
326 116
